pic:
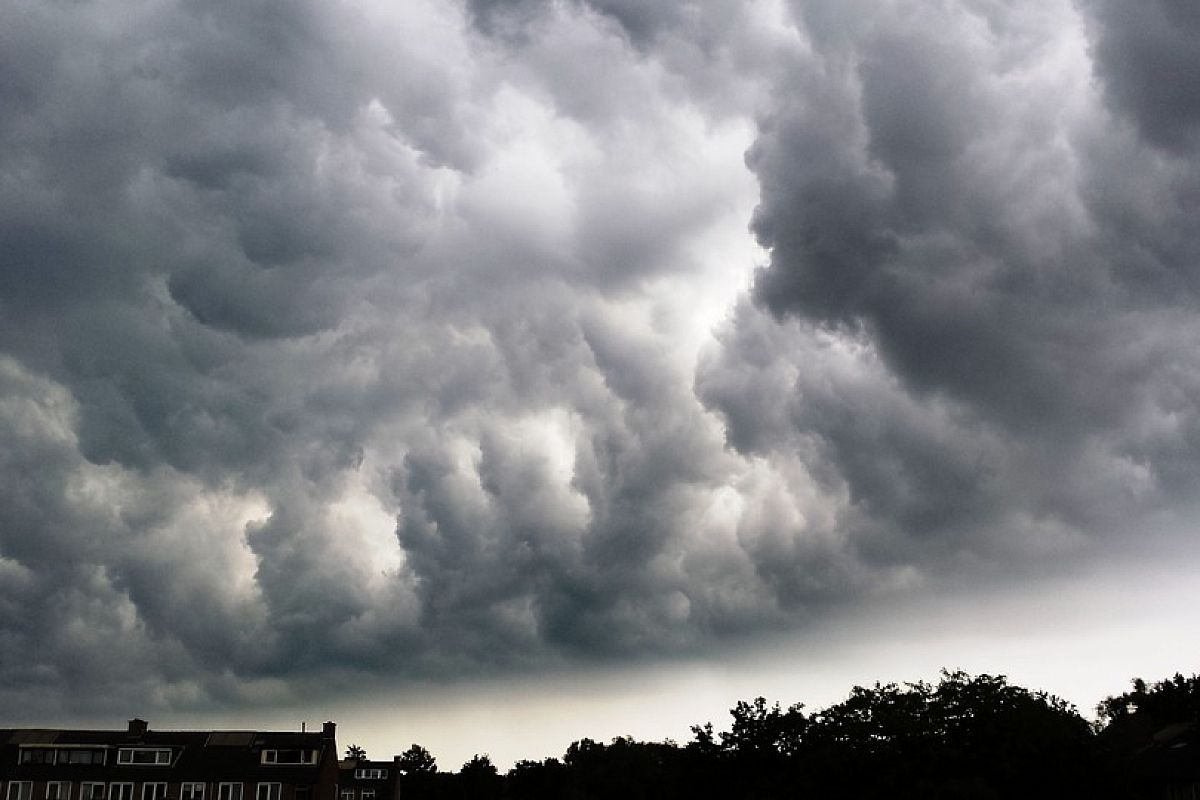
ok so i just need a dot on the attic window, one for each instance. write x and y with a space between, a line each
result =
37 755
80 756
289 756
370 774
145 756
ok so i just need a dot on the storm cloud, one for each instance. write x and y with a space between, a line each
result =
412 340
994 328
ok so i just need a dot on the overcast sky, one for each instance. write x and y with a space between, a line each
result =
498 373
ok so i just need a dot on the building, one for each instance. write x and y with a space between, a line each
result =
143 764
368 780
1168 768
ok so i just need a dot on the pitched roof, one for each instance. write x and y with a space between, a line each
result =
203 755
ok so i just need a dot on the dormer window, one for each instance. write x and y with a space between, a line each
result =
289 756
37 755
371 774
145 756
82 755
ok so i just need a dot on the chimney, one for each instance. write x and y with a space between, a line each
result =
138 727
328 730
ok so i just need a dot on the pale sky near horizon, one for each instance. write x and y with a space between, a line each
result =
494 373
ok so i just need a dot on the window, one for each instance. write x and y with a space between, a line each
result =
58 790
36 755
267 791
80 756
347 794
368 794
154 791
120 791
229 791
91 791
20 790
370 774
191 791
289 756
146 756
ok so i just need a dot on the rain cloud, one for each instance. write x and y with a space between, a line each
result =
426 339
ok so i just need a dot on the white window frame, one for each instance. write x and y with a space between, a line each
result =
50 751
347 794
64 790
368 794
271 757
154 791
196 793
235 791
87 790
62 752
370 774
162 756
116 790
273 791
24 790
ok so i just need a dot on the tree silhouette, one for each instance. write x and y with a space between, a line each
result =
479 766
624 768
478 778
762 730
1176 699
533 779
1150 733
974 737
416 760
355 753
965 737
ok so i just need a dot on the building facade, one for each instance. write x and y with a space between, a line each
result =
368 780
143 764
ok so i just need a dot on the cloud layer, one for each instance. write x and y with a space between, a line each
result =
1006 242
389 341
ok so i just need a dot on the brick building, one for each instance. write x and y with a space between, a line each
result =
368 780
143 764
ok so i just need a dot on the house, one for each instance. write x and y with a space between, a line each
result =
368 780
1169 767
143 764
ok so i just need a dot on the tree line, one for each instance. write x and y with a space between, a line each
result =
966 736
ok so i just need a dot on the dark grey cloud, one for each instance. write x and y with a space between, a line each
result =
333 349
1149 60
329 349
642 22
988 282
716 52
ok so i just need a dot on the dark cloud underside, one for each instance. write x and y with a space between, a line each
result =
410 340
948 204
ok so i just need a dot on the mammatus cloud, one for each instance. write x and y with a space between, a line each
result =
988 265
1148 58
377 340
